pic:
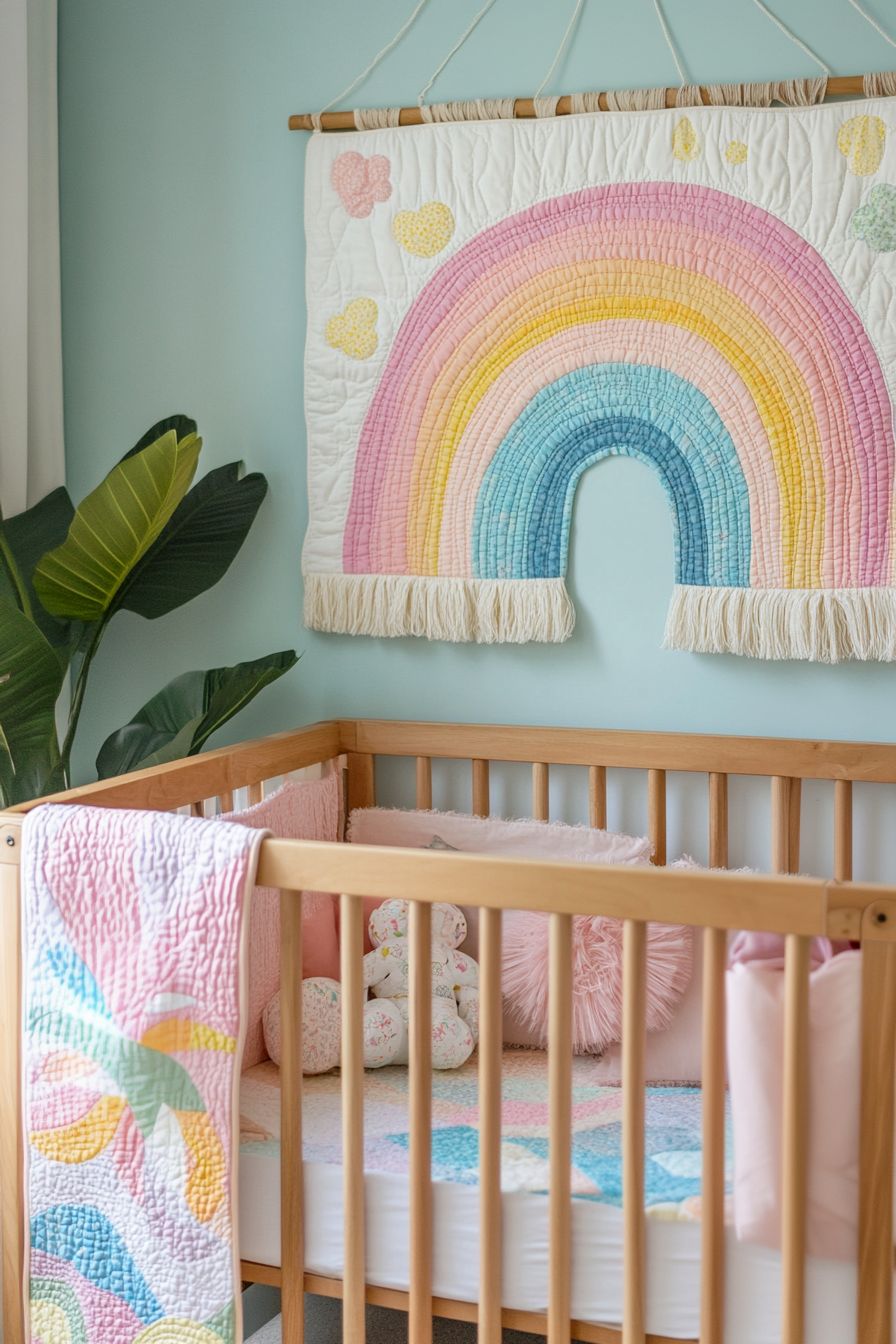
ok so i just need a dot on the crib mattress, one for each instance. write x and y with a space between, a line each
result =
672 1199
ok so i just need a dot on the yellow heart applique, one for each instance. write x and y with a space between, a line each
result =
426 231
685 141
353 331
861 141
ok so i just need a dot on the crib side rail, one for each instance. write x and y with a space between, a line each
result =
798 908
214 774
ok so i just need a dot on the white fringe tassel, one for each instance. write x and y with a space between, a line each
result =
482 611
827 625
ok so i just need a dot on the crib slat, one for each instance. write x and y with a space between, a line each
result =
718 821
780 824
540 778
480 788
876 1142
420 1101
597 796
225 801
197 809
656 814
351 957
291 1226
795 1128
793 826
255 792
843 830
712 1229
490 1043
634 1009
361 780
560 1122
424 782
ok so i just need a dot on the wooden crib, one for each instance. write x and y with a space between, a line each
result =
793 906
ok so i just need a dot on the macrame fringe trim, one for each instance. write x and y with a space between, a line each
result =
481 611
829 625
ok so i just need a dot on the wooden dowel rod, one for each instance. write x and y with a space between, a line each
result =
424 783
634 1011
351 959
843 830
597 796
718 821
794 1142
292 1258
656 814
712 1218
420 1106
540 801
524 108
560 1122
490 1049
480 789
793 826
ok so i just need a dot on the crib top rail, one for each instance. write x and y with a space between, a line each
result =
874 762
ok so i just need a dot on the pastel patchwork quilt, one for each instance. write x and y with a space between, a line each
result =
494 307
673 1143
132 1030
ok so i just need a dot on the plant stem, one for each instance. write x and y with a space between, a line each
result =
78 693
15 578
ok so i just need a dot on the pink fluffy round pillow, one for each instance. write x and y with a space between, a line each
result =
597 976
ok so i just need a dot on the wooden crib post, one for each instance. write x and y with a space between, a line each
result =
12 1195
292 1251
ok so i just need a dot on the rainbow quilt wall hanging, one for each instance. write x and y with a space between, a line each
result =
494 307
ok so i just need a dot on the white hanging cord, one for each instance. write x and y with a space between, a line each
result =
869 18
570 28
670 43
454 50
381 54
793 37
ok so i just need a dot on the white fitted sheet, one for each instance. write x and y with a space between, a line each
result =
673 1247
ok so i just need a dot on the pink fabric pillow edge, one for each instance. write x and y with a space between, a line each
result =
301 809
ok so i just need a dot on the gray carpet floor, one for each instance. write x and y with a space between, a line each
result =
323 1326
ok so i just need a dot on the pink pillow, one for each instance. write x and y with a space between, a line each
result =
756 1070
306 809
597 976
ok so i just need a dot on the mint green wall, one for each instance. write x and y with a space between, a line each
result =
182 279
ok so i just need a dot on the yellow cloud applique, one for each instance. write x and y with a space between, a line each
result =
736 151
353 331
861 142
426 231
685 141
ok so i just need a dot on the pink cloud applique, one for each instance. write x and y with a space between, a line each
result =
361 182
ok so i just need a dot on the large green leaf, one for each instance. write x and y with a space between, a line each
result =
198 544
114 527
28 536
183 426
181 718
31 678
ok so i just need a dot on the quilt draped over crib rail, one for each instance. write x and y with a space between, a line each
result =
494 307
132 1032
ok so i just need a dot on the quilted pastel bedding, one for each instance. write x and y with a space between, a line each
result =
673 1143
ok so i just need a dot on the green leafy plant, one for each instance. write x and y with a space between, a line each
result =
146 540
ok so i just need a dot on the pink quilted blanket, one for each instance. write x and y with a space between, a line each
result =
132 1030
